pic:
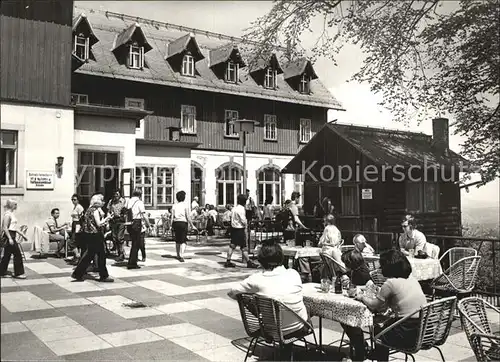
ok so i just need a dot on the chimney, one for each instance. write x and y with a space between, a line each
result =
441 134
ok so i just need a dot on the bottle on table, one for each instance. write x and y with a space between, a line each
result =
338 285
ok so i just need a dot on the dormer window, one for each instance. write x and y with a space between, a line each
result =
188 65
304 85
136 56
232 72
270 78
81 46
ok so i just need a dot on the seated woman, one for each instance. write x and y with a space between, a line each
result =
331 241
278 283
403 294
359 275
361 245
411 239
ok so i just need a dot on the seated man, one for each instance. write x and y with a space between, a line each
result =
277 283
411 238
56 232
361 245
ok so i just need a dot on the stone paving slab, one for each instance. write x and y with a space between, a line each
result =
187 315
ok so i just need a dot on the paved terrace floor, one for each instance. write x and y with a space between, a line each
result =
188 315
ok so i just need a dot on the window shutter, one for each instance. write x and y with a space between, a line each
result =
87 48
130 60
74 44
141 57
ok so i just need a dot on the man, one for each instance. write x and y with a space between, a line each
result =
304 266
295 210
56 232
137 209
195 205
411 239
239 226
116 224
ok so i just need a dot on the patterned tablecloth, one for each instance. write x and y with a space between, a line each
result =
423 269
297 251
336 307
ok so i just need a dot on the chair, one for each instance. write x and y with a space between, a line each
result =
459 278
455 254
333 267
377 277
475 321
19 239
373 264
432 250
435 324
262 319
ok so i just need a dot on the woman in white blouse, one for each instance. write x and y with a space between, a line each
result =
9 235
331 240
181 218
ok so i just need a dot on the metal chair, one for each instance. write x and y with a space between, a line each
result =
459 278
262 319
434 327
453 255
377 277
475 321
432 250
19 239
333 267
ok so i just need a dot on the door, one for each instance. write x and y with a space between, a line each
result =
126 182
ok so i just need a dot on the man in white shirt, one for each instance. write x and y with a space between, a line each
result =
278 283
239 225
136 205
195 205
411 237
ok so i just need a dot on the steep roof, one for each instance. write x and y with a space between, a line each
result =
108 25
264 62
126 35
383 147
82 18
297 67
223 53
181 44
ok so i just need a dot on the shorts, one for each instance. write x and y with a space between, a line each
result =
238 237
180 230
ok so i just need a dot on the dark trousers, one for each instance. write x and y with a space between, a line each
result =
357 342
118 232
95 247
142 245
403 336
18 258
134 231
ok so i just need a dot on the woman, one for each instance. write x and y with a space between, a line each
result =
327 206
9 235
331 240
403 294
359 275
76 218
278 283
181 218
92 226
267 214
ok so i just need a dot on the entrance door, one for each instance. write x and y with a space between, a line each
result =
97 172
197 183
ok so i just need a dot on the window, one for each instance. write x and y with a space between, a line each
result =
232 72
229 184
136 56
350 200
270 78
136 103
188 119
144 182
81 46
298 185
270 132
422 197
230 116
305 130
188 65
165 186
304 85
77 98
9 158
269 185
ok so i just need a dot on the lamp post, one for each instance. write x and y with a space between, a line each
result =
244 126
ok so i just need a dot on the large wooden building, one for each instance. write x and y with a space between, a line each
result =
375 176
198 82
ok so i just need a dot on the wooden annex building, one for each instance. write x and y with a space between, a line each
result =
370 185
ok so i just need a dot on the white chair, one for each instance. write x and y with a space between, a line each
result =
457 253
432 250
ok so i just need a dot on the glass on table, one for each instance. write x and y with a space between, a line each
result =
326 285
411 253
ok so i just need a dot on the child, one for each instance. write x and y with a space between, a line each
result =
361 245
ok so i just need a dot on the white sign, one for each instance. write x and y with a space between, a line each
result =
39 180
366 194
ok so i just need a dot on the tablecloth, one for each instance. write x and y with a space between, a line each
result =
422 269
336 307
297 251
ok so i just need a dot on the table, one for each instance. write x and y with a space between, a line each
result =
422 269
336 307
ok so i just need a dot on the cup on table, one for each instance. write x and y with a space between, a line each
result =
352 291
308 243
411 253
325 285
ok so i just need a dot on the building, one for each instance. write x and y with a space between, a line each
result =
36 115
375 176
195 82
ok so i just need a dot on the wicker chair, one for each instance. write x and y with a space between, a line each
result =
459 278
453 255
475 321
261 318
377 277
435 324
333 267
432 250
373 264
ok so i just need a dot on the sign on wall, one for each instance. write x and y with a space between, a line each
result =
366 194
39 180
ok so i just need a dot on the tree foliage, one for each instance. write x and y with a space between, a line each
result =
422 57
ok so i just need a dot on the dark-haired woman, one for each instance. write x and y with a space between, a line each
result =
360 275
181 219
76 225
403 294
278 283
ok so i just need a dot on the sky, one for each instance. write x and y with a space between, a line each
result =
232 17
